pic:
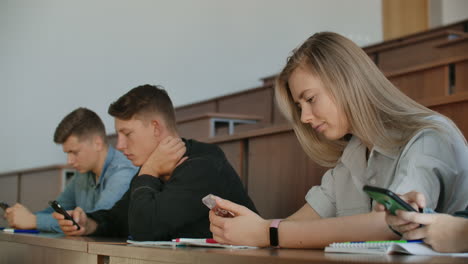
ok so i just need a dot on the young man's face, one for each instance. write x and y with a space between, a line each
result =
136 139
82 155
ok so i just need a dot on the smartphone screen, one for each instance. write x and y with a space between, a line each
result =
390 200
59 209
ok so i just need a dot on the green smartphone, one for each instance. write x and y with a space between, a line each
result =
390 200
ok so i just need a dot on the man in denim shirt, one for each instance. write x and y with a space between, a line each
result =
104 173
164 198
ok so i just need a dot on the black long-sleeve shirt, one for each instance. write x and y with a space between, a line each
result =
156 210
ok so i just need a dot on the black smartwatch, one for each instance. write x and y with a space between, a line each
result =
274 238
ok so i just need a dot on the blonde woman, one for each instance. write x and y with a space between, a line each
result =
349 117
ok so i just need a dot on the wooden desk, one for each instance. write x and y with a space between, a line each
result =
47 248
144 255
44 248
56 248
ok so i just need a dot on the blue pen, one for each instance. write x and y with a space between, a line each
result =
29 231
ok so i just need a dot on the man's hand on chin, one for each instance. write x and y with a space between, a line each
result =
165 158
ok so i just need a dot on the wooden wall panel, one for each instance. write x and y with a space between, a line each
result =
9 188
423 84
417 53
235 151
37 188
461 77
280 174
458 112
195 129
8 193
244 127
278 117
195 109
257 102
452 48
402 17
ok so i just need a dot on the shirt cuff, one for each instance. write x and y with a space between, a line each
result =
146 181
45 222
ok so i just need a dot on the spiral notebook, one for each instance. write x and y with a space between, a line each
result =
388 247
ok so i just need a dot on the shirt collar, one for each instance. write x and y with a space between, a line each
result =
352 153
356 148
392 153
110 156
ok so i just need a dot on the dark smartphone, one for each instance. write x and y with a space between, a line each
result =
59 209
390 200
3 205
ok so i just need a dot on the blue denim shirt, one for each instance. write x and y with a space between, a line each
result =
83 191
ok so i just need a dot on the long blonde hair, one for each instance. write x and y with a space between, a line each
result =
374 107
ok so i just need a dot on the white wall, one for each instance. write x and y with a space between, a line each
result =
443 12
454 10
57 55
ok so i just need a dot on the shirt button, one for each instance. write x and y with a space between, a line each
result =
372 181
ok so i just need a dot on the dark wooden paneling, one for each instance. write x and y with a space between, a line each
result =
458 112
280 174
235 151
420 48
258 102
428 83
37 188
412 54
451 48
195 109
195 129
278 117
8 193
461 77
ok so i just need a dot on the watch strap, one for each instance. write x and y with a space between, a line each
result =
274 238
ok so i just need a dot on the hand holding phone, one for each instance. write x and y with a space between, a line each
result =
210 202
390 200
59 209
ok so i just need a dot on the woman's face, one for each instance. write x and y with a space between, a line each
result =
316 106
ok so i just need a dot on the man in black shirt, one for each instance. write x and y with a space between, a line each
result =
164 199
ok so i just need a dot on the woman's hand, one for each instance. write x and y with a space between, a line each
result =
416 200
245 228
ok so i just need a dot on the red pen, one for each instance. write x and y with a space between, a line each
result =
196 240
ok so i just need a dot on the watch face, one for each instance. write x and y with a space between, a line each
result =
274 241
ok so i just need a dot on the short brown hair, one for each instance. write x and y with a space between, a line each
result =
144 99
81 123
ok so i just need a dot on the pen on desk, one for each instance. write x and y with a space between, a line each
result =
29 231
196 240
